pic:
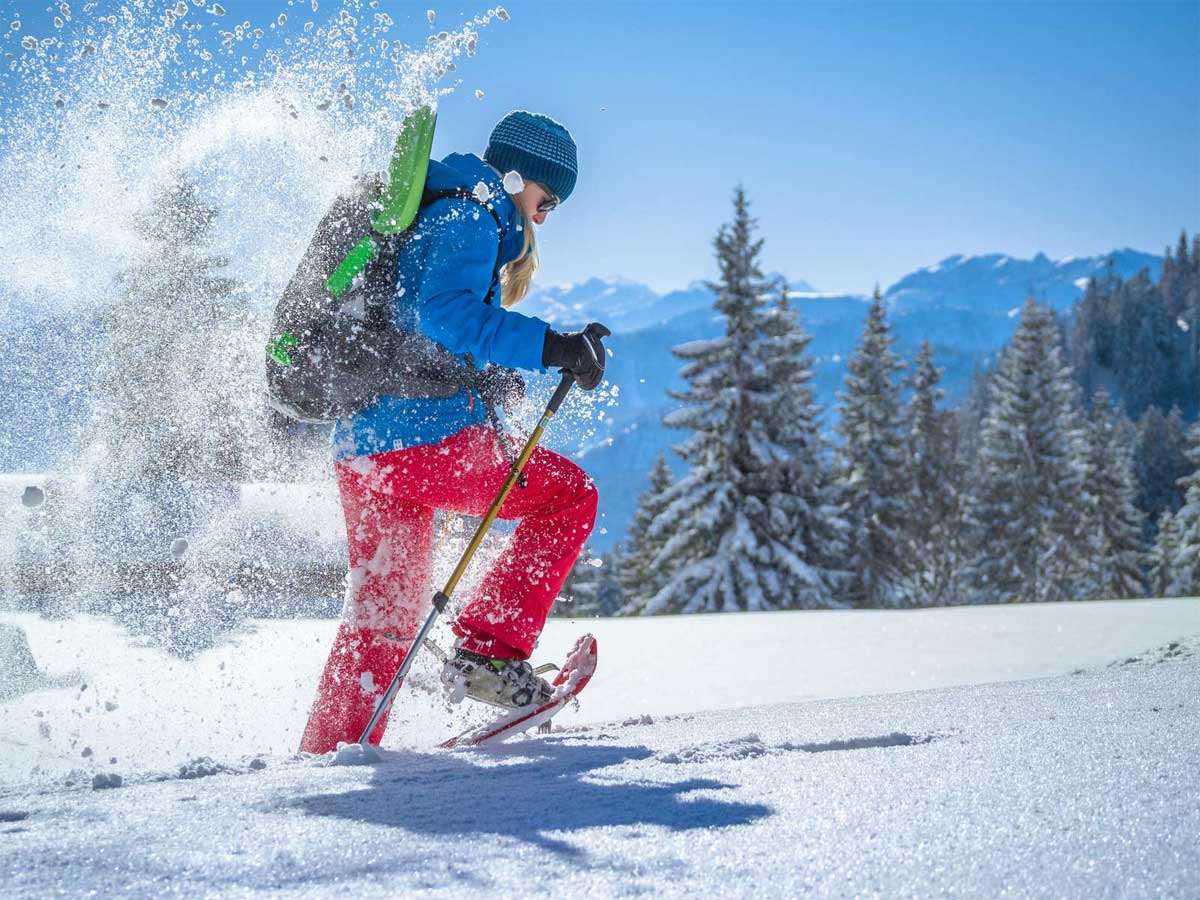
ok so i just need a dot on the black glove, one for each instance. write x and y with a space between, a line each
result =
581 353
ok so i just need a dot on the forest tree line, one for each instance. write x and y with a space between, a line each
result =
1069 472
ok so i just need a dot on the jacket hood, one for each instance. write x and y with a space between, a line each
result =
467 170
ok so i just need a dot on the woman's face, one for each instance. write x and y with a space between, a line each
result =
534 195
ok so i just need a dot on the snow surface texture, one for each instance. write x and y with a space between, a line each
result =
1075 786
152 712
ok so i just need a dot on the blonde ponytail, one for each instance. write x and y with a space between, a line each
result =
516 277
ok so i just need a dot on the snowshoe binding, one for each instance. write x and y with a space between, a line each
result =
506 683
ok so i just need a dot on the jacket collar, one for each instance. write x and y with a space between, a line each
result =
467 170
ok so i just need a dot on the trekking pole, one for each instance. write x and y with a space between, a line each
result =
442 597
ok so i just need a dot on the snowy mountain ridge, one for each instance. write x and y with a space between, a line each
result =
620 303
988 283
983 283
627 305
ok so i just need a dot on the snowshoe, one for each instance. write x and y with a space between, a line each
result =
576 672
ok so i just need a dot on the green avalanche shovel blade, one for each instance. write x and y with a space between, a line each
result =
401 198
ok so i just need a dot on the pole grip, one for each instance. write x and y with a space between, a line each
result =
560 392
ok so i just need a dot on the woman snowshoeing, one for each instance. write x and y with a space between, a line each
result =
400 459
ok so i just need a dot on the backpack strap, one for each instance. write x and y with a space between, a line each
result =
379 310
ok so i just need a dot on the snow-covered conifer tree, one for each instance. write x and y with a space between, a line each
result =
721 550
934 522
1186 569
610 598
1025 507
872 474
1110 522
175 426
1160 561
802 494
591 588
1159 462
636 573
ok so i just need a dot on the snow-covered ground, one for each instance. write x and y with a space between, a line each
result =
927 766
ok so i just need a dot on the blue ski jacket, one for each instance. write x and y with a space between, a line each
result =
445 272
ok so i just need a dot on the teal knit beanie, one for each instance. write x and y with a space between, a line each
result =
537 148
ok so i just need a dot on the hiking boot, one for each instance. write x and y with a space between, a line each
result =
507 683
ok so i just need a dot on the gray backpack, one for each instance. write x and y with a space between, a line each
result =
331 356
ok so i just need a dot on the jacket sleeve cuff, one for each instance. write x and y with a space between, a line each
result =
528 339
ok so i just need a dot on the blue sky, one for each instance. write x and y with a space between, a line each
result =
873 138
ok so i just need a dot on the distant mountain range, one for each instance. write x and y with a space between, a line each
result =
621 304
965 306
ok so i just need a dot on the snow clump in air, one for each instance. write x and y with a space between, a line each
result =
513 182
482 192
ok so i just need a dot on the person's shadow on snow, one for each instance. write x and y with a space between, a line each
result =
525 791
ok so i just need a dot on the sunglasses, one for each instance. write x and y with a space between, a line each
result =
550 204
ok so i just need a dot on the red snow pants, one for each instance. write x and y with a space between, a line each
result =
389 500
